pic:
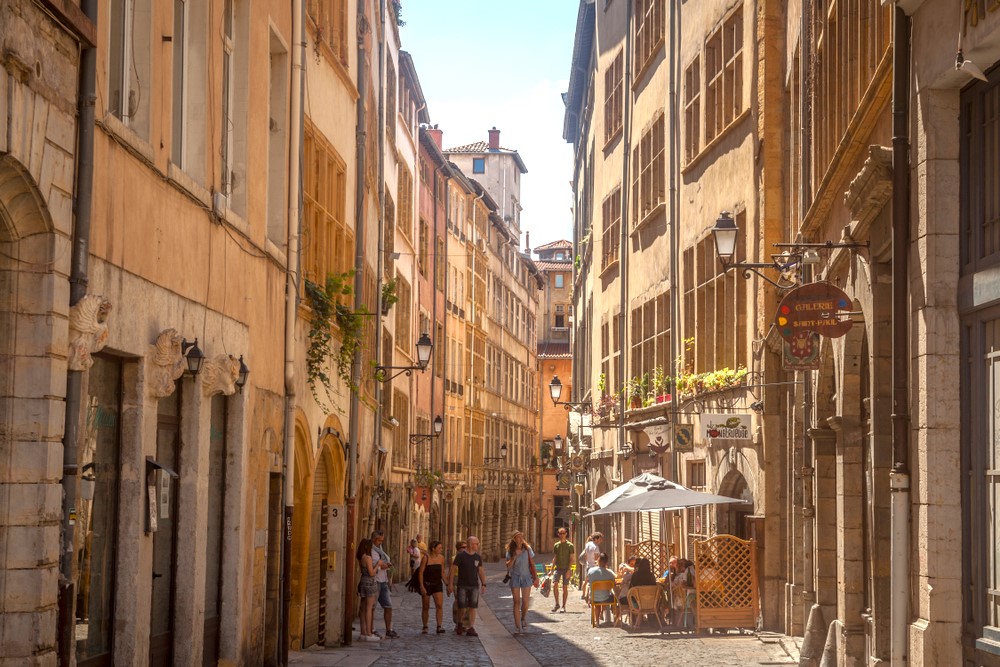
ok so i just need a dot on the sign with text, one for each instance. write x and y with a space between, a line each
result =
725 426
816 307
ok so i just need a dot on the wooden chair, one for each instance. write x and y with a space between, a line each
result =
642 601
596 608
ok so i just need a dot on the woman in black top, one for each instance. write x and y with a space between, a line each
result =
430 575
643 574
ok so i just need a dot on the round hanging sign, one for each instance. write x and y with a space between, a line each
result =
817 307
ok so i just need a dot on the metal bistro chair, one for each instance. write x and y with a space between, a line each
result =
596 608
643 601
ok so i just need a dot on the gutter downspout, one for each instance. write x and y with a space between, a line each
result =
379 270
899 477
675 232
78 281
291 313
623 243
359 284
808 511
443 520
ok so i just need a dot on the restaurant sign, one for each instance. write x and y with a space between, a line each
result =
815 307
725 426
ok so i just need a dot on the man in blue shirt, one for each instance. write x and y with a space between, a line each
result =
601 573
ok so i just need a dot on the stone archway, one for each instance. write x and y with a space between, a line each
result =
732 517
34 311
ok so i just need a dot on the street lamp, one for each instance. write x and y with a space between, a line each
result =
625 451
244 374
424 348
193 356
497 459
422 437
555 392
726 233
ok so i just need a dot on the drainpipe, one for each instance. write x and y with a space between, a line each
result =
446 431
805 201
899 478
379 270
78 279
291 312
623 242
675 232
359 303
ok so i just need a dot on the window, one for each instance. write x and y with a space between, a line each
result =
129 52
614 78
560 321
478 165
724 75
390 104
388 234
404 337
328 243
329 17
650 329
401 456
235 86
692 109
649 27
852 39
648 175
560 256
189 132
698 518
559 280
404 191
611 218
422 247
277 142
440 261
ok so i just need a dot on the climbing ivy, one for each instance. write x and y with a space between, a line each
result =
329 311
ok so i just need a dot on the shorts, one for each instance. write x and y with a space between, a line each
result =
561 576
520 581
384 600
367 587
467 597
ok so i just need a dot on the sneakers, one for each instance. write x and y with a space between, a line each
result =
391 634
471 632
371 638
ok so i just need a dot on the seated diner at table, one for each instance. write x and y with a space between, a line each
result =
624 578
600 572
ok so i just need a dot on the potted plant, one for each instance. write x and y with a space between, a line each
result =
633 391
389 296
660 385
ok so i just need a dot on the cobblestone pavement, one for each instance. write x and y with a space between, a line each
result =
563 639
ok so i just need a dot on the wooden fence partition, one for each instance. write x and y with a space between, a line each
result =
725 570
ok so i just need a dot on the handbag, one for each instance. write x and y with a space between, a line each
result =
546 588
506 577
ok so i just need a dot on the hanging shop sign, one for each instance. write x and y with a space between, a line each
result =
801 353
684 438
816 307
659 437
725 426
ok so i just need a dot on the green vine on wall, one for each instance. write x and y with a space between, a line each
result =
328 311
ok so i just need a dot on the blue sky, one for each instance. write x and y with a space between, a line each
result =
505 63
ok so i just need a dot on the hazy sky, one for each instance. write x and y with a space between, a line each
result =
505 63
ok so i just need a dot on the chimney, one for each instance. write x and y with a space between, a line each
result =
527 243
494 139
435 135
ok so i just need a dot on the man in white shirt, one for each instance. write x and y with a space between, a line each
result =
588 557
382 564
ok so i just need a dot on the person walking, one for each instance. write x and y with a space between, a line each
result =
588 557
457 615
562 560
467 571
431 576
368 589
416 556
382 564
520 561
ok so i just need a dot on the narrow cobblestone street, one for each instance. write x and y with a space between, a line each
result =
553 639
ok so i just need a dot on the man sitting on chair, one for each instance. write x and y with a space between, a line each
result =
600 572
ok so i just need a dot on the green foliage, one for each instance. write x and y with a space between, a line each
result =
602 383
389 296
328 311
397 10
429 478
717 380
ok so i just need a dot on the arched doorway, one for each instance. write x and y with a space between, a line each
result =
732 517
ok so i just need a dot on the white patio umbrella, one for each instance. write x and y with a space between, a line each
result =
663 495
630 488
